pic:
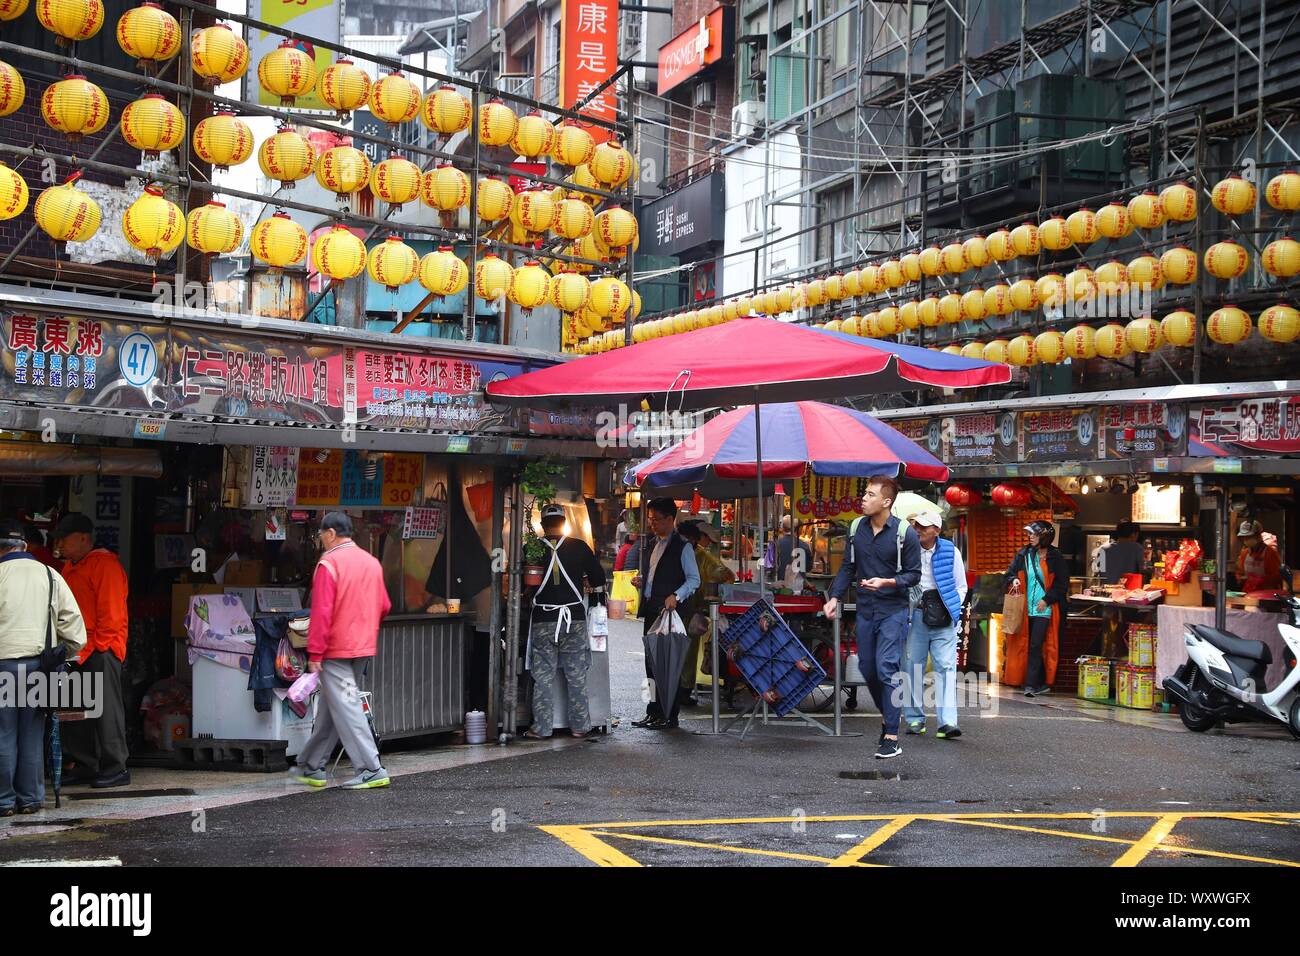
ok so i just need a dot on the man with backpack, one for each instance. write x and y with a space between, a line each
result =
883 556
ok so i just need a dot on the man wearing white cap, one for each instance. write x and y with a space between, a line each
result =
933 632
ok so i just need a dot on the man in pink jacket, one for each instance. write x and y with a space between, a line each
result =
348 600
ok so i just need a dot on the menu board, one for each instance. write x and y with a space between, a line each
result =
319 482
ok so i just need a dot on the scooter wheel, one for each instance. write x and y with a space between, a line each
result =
1293 719
1195 719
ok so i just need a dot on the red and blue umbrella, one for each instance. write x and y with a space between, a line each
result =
833 441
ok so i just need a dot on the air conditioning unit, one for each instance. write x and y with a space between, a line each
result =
704 95
747 118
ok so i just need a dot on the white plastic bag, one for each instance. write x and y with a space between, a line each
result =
598 628
668 622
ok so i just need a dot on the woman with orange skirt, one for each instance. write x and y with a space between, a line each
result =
1040 573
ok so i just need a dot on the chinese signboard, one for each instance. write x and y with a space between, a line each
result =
313 18
1143 430
974 439
356 479
1254 426
589 57
692 50
1064 434
273 476
424 522
681 220
320 482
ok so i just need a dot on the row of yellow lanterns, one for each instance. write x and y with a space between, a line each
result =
1229 325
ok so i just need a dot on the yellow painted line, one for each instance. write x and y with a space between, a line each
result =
875 841
866 817
597 851
1140 850
719 846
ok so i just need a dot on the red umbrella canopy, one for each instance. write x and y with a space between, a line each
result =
747 361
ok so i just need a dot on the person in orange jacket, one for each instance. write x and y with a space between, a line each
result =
97 746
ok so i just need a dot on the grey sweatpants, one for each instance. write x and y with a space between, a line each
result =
339 717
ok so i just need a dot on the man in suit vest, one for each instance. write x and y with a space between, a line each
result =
667 576
934 628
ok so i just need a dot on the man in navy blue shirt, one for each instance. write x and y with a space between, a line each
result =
871 558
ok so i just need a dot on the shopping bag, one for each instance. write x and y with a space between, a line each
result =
598 628
1013 613
301 691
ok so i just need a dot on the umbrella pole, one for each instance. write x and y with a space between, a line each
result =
761 544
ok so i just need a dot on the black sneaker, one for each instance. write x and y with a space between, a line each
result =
917 728
1042 690
887 749
947 732
107 783
1030 692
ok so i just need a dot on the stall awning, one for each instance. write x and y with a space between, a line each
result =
39 458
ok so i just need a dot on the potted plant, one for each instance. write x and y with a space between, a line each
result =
538 481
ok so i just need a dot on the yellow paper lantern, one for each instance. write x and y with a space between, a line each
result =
534 136
1052 234
396 181
288 72
1025 240
1111 341
996 350
888 320
12 9
784 299
530 286
1081 285
1179 202
1049 347
1234 196
343 170
1000 246
870 279
71 20
344 87
1145 272
1179 328
65 213
443 272
835 288
219 55
954 258
928 311
1227 260
972 304
1114 221
288 156
278 241
1178 265
715 313
911 264
1144 334
1051 290
213 230
1081 227
997 300
1021 351
891 273
814 293
223 140
149 33
1281 258
851 326
574 146
533 211
1111 276
953 349
496 123
1228 325
447 111
75 107
339 254
1280 323
909 314
834 325
570 292
615 227
1283 192
152 124
932 263
1080 343
13 193
853 283
153 224
976 251
492 277
731 310
494 202
611 164
394 99
393 263
1024 295
610 296
869 326
573 219
950 308
1147 211
13 90
973 350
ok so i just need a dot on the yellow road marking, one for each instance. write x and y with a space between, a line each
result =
876 840
599 852
1140 850
865 817
720 846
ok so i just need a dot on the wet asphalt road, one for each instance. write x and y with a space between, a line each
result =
1027 767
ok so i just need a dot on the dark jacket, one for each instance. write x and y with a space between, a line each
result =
669 575
876 556
578 561
1056 566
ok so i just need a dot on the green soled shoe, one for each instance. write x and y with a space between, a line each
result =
312 778
918 729
368 779
947 732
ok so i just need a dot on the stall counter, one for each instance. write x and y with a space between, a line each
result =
1171 653
418 674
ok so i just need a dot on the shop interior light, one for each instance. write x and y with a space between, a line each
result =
1084 488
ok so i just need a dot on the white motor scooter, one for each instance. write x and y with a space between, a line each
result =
1223 680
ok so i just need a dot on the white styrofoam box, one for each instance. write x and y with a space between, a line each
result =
223 709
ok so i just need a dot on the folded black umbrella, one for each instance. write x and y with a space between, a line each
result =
666 645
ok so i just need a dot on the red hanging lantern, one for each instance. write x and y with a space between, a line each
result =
962 496
804 505
846 504
819 509
1011 495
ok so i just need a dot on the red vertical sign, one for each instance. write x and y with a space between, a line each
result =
588 57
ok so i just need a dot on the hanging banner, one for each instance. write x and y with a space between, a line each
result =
321 19
1251 427
272 476
403 479
588 57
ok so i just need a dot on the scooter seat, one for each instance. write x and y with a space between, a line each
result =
1234 646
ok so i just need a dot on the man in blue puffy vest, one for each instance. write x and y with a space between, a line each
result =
934 628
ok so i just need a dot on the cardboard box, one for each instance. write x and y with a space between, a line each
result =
1094 678
181 594
1187 595
1142 645
1135 686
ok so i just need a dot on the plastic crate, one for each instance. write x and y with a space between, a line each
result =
770 658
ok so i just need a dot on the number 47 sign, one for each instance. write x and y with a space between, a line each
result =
137 359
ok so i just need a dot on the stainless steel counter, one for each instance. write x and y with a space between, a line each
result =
418 676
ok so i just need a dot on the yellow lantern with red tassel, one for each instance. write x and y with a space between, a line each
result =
1081 227
615 227
223 140
1228 325
278 241
13 90
152 124
573 146
343 170
1281 258
1227 260
1049 347
530 286
1283 191
1111 341
1147 211
1179 202
1179 328
443 273
288 156
1234 196
394 99
213 230
65 213
573 219
1114 221
1178 265
610 296
611 164
71 20
1021 352
339 254
494 201
447 111
288 72
1280 323
534 136
1079 343
1144 334
343 87
219 55
149 33
75 107
396 181
393 263
13 193
533 211
496 123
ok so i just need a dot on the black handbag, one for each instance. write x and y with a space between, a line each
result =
55 657
933 611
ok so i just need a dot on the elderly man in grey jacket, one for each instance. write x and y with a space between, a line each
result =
33 598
